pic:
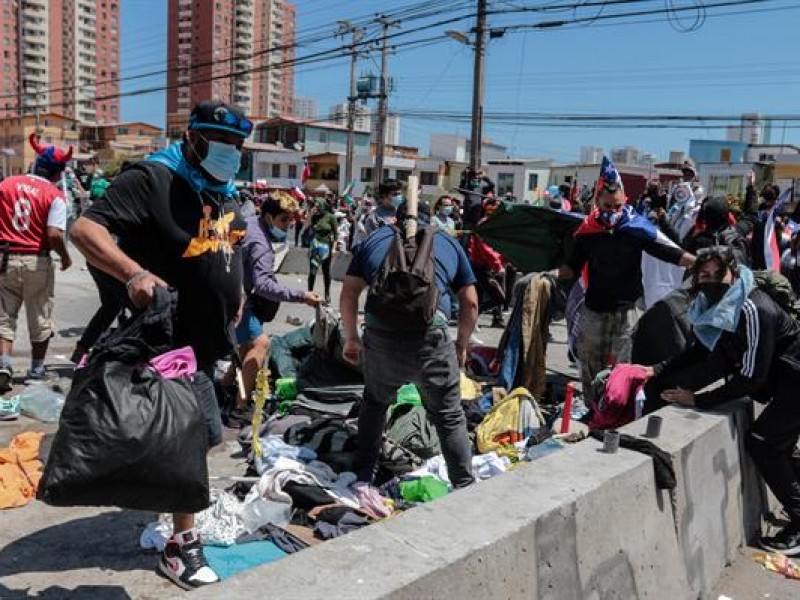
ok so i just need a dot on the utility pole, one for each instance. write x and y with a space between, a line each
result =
383 102
476 139
357 33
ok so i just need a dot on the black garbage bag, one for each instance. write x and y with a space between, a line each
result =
128 437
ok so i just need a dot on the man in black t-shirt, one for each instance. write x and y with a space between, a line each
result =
609 244
179 226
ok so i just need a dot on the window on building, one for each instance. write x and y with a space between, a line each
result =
505 183
428 178
533 181
402 175
292 174
122 131
366 174
276 170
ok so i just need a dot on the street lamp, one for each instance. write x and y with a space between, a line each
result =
459 36
479 45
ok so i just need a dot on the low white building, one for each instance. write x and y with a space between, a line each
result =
281 168
454 147
524 178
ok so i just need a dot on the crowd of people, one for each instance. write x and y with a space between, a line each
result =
177 220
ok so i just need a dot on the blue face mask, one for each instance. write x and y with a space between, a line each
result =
277 233
397 200
222 161
447 211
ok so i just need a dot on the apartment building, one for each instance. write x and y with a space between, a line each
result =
60 56
236 50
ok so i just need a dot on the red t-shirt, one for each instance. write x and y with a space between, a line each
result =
25 202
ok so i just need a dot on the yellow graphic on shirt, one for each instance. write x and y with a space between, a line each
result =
214 235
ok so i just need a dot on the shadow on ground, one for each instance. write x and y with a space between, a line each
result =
103 541
84 592
71 332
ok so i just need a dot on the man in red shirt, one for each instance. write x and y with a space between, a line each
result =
33 217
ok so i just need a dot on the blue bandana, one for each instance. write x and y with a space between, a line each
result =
172 158
708 323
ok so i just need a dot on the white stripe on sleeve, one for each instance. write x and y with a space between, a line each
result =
752 330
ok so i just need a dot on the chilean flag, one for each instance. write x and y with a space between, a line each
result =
306 172
772 255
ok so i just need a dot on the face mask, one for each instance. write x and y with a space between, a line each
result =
277 233
713 290
222 161
609 218
447 211
397 200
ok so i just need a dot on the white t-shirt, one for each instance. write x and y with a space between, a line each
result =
57 217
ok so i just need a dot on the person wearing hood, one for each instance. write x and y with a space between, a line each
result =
742 336
715 229
179 226
609 244
33 218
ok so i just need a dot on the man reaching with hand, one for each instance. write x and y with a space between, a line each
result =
396 353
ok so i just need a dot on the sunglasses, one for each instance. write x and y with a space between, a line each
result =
225 118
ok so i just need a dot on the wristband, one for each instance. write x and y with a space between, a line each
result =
136 277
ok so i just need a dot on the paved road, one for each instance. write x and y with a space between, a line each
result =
93 553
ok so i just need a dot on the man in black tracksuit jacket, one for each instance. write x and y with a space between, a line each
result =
760 358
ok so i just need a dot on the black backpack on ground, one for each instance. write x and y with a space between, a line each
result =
404 290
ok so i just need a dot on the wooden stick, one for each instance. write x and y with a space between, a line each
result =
412 204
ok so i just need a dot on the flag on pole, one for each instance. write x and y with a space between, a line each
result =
298 194
306 172
772 256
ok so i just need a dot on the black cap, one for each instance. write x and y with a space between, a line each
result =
215 114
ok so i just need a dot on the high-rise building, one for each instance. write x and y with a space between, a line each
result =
629 155
362 121
591 155
60 56
392 130
751 130
305 109
239 51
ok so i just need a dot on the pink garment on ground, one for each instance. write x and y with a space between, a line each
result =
371 500
617 407
175 363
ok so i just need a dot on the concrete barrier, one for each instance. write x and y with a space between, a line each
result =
575 524
295 262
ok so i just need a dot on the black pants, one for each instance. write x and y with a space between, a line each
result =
771 441
391 360
326 275
298 229
112 302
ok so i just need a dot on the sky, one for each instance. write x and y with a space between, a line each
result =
746 62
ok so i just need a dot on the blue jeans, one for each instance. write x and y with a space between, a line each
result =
392 359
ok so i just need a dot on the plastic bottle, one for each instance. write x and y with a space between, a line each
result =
40 402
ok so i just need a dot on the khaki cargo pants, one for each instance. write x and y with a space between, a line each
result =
29 280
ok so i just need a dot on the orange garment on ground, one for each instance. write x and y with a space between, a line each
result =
20 469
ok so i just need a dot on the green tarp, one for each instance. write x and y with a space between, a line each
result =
531 237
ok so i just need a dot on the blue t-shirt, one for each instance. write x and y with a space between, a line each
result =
453 270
